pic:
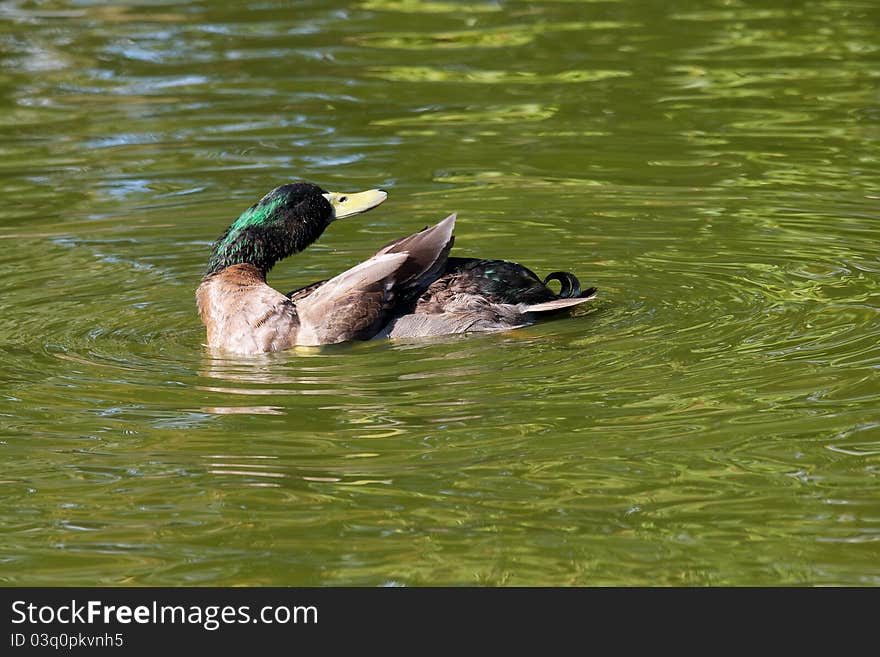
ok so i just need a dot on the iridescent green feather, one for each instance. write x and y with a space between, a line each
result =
234 245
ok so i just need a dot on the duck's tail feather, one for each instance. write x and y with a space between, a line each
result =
561 303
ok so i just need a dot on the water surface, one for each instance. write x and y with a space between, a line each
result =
712 419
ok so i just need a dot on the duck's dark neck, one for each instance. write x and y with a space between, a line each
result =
257 247
262 236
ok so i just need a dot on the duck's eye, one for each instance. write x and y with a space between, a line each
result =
343 199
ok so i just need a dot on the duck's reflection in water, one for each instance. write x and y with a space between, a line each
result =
298 371
343 417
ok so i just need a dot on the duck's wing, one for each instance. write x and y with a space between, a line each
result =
357 303
426 326
349 306
303 292
467 313
428 251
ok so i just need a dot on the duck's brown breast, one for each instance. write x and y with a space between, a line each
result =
243 314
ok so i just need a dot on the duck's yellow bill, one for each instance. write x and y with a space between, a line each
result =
345 205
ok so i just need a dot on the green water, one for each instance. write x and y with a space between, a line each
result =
712 419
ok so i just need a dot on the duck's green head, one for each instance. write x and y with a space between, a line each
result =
283 222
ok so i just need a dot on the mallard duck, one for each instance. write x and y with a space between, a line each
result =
409 288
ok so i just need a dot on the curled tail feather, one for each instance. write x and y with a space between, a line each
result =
571 286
